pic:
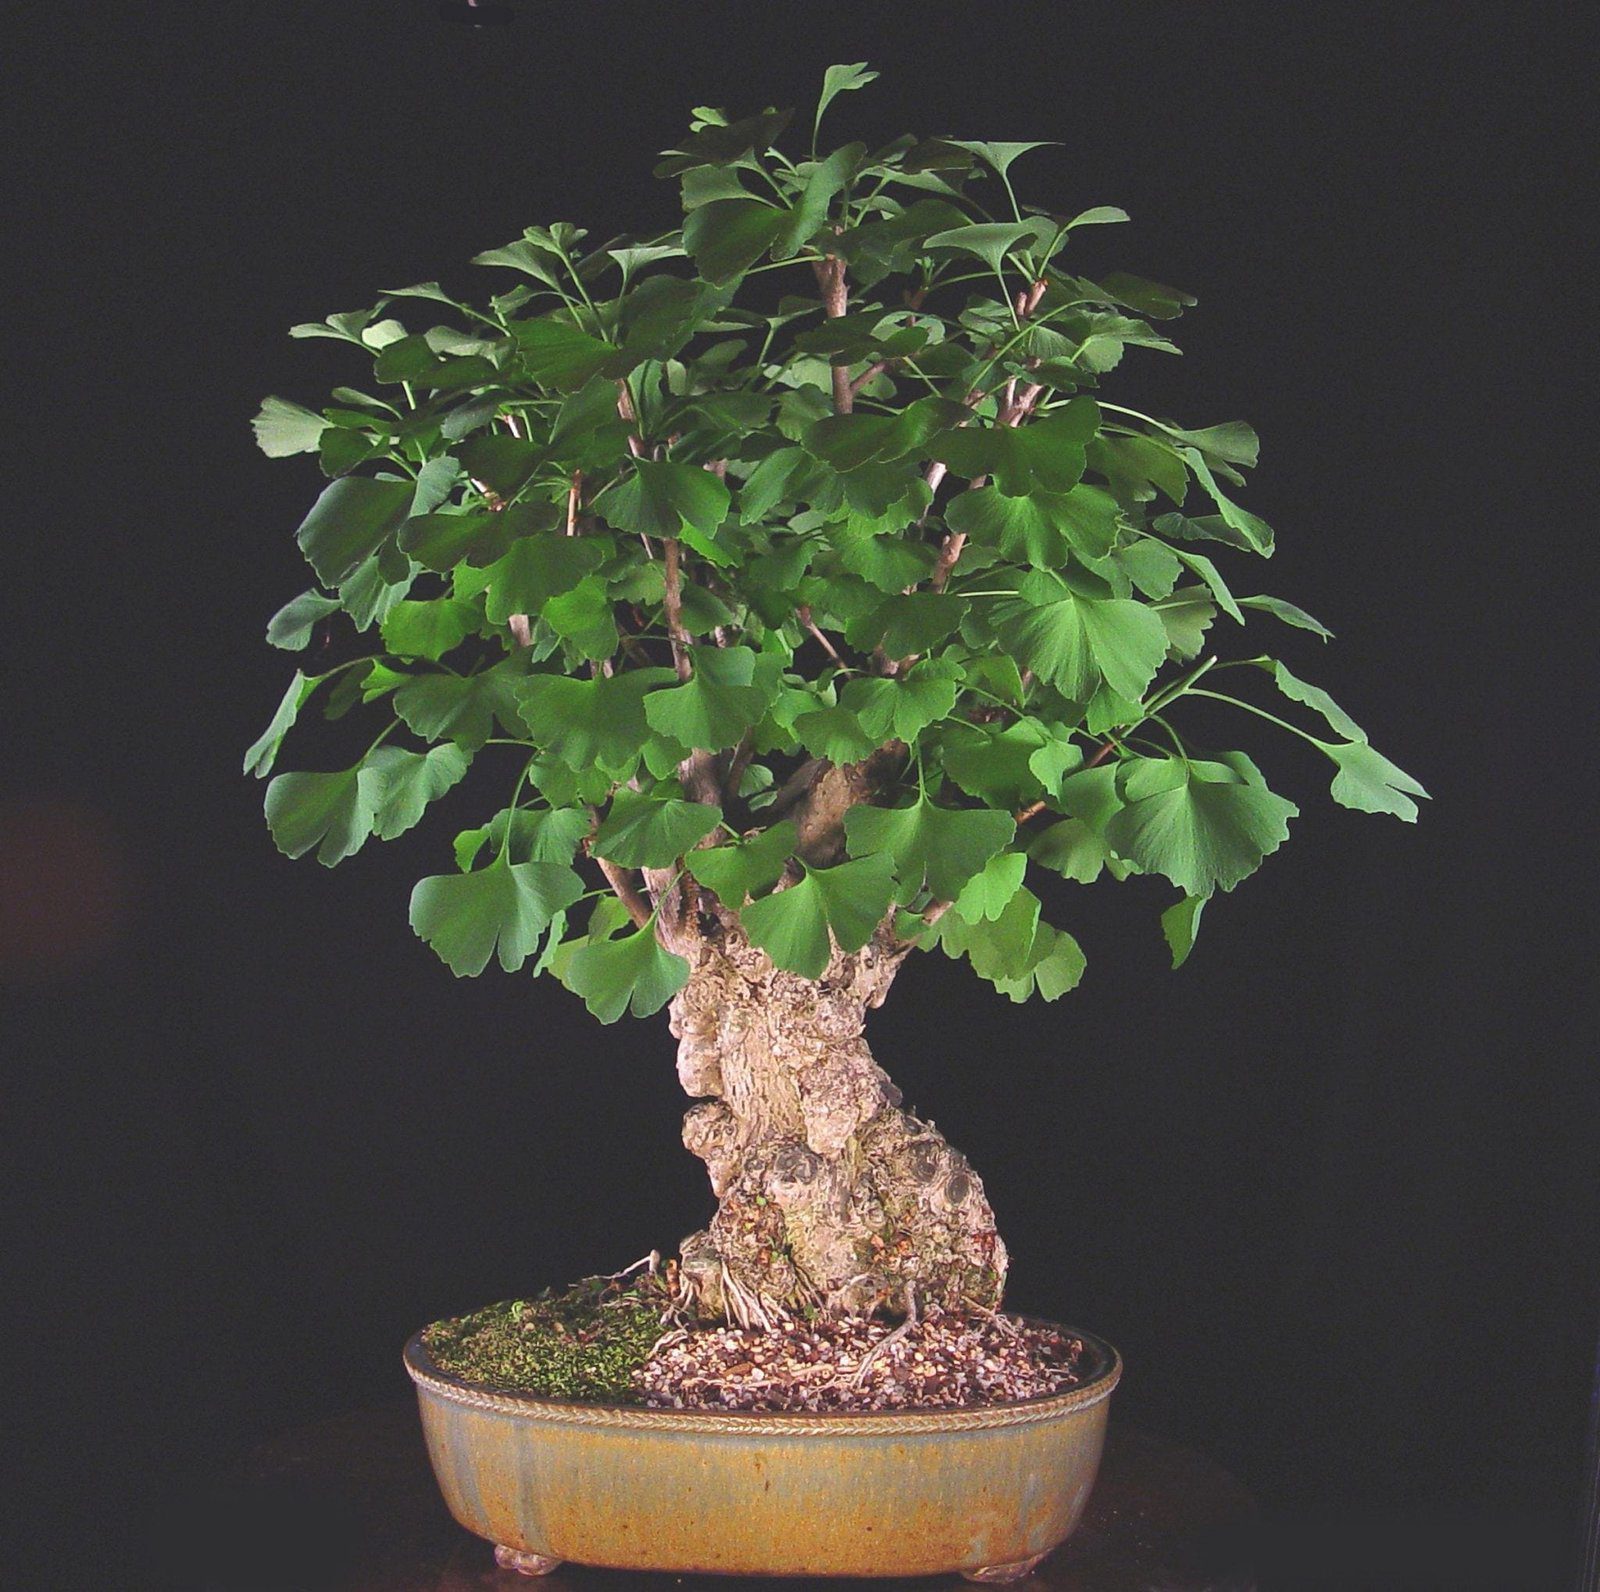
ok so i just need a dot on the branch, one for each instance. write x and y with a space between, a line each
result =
830 273
672 604
698 775
626 892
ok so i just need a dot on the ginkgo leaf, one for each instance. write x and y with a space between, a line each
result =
1187 615
332 812
836 734
1204 826
1370 783
350 521
1314 697
584 617
1288 613
533 570
410 781
1074 640
1098 216
428 629
889 562
1045 456
1072 849
901 708
586 723
661 497
559 355
1255 530
849 442
263 751
526 834
910 623
987 894
728 236
995 763
940 846
292 626
715 706
635 973
823 181
1215 584
1180 923
743 868
999 154
646 832
848 902
1015 950
839 80
462 708
502 909
283 428
992 241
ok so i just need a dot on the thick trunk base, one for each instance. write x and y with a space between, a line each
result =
830 1195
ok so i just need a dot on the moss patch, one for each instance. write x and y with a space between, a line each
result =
584 1342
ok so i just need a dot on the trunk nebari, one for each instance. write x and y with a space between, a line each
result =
830 1195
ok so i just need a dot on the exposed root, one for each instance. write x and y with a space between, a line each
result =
898 1335
650 1262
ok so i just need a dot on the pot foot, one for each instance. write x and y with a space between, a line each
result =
1000 1574
524 1563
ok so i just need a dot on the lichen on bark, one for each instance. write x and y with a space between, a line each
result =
830 1195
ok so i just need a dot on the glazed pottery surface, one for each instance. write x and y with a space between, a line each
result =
985 1491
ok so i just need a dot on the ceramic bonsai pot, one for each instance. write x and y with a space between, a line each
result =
985 1492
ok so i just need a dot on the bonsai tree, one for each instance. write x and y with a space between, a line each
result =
793 596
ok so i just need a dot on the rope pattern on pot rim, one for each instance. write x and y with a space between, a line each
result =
1050 1407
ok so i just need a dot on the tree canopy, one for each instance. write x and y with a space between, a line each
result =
786 568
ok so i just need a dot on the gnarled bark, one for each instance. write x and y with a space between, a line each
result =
830 1195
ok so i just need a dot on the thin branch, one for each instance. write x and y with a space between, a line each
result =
626 410
804 613
738 762
572 502
948 554
876 368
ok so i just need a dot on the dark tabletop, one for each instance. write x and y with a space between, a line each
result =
350 1506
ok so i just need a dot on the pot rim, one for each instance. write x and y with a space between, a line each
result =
1104 1374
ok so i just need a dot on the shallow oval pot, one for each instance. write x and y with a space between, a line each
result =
984 1491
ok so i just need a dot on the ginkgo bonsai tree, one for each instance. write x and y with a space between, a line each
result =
792 595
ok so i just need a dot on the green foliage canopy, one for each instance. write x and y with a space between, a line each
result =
789 567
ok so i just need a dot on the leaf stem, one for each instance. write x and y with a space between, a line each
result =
1261 713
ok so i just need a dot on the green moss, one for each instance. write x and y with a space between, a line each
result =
584 1342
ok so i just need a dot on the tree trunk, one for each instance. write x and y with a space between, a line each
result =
830 1196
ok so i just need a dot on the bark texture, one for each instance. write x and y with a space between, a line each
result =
830 1195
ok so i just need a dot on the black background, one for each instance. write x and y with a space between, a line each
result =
1331 1188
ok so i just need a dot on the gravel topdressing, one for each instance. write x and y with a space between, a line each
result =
609 1341
940 1362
